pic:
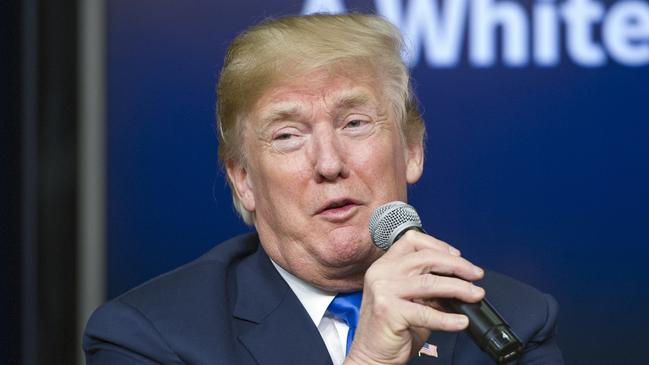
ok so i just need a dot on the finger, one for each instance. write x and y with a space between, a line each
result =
418 315
428 286
433 261
430 302
413 241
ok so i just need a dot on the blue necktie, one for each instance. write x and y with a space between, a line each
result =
347 307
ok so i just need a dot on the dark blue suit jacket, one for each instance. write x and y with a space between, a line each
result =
232 307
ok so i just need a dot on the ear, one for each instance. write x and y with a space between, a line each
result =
414 160
241 183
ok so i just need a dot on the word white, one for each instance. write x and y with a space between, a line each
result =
591 31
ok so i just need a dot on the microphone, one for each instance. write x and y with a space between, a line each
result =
487 328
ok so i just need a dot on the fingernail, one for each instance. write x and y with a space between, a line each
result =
477 290
454 251
478 271
461 320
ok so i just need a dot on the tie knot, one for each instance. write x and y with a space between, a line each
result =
346 307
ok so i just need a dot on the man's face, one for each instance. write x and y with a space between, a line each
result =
322 151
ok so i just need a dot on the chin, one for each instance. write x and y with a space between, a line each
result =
346 272
350 252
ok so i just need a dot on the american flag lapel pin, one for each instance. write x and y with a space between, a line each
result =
428 350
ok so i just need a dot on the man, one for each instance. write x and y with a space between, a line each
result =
318 127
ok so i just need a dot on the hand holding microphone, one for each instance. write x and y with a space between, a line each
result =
421 284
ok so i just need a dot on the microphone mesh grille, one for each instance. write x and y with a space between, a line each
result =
389 220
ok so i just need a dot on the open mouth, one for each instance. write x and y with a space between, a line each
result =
338 206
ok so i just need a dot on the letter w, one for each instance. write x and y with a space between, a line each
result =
440 30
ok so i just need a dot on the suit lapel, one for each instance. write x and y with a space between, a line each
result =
282 333
445 342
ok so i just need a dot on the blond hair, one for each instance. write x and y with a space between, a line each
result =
290 46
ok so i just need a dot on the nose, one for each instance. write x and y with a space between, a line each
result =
329 157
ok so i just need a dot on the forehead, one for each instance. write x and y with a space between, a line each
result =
336 89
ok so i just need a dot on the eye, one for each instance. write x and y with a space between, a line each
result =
355 123
358 126
283 136
287 139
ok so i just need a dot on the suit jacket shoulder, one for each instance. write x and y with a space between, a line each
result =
531 314
229 306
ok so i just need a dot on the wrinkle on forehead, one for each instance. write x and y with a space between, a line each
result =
349 99
293 109
333 76
282 111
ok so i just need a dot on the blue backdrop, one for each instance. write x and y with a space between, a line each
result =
537 159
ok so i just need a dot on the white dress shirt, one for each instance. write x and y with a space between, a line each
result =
316 301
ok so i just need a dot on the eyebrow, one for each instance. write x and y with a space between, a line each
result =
351 100
292 111
281 112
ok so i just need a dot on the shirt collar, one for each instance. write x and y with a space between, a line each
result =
315 300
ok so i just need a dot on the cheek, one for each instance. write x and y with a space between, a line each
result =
382 160
281 177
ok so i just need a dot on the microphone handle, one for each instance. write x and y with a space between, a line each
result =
487 328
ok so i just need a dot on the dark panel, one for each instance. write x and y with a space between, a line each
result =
49 174
10 171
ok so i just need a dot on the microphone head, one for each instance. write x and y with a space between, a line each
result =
390 220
